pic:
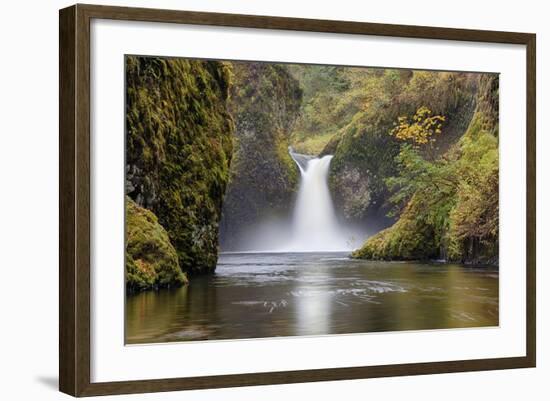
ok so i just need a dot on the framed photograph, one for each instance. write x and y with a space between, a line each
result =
249 200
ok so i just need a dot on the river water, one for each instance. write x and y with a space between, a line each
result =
254 295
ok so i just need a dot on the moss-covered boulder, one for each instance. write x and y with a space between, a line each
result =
178 150
265 101
409 238
151 260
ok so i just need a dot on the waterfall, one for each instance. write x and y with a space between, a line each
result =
311 224
314 223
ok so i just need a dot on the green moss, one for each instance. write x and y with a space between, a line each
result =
365 152
178 149
265 102
287 165
451 203
151 260
409 238
332 95
474 220
311 145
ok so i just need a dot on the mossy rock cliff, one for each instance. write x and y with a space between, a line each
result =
453 212
151 260
178 150
364 153
265 101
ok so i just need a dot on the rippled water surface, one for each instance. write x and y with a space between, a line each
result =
269 295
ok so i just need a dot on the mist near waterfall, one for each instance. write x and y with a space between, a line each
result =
312 224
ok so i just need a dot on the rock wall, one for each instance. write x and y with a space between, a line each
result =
453 212
265 101
179 142
364 152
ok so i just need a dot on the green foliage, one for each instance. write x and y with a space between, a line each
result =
332 96
151 260
434 181
448 206
364 144
178 149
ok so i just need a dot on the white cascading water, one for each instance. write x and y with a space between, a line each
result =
314 224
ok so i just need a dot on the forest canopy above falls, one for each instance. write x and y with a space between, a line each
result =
415 157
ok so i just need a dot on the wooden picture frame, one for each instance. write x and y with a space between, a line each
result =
74 200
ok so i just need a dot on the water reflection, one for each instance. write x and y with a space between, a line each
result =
268 295
313 300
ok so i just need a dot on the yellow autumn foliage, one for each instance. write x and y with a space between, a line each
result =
420 129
